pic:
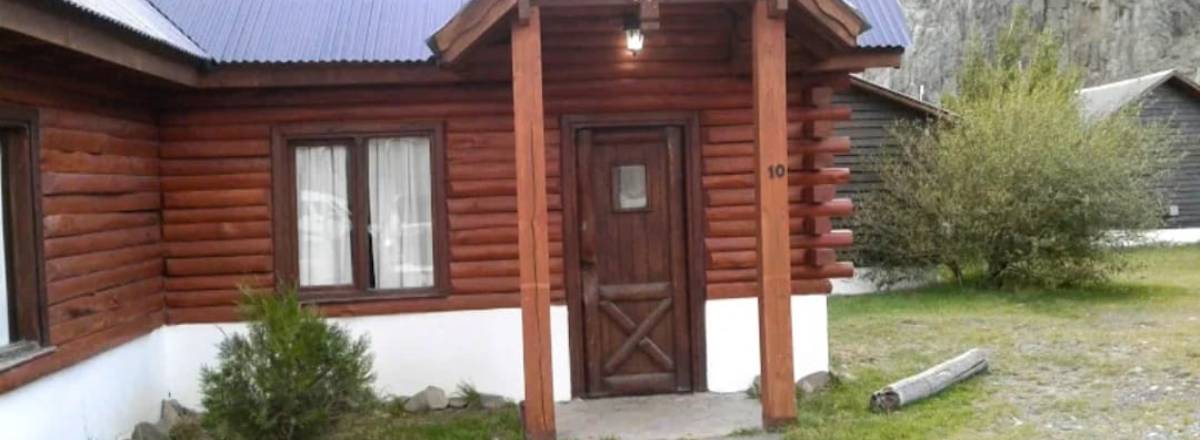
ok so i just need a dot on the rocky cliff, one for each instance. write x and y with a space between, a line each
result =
1113 39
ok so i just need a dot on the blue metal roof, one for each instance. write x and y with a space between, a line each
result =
140 16
317 31
888 27
283 31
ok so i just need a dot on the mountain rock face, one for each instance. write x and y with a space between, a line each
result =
1112 39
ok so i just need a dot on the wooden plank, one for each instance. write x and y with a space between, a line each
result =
774 254
470 25
532 225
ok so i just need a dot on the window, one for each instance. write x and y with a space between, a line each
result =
629 187
21 307
366 213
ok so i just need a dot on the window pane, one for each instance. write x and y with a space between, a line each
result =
5 307
629 186
323 215
401 212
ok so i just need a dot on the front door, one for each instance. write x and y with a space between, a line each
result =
633 260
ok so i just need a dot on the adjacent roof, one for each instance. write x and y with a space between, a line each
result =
290 31
312 31
897 97
888 28
142 17
1100 101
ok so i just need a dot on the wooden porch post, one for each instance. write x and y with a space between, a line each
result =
774 253
534 251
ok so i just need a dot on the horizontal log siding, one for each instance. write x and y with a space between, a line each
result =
1180 110
100 203
869 127
216 169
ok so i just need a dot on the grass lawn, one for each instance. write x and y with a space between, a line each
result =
1120 361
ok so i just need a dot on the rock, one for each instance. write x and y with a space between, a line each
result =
814 382
492 401
149 431
173 414
1111 39
432 398
458 402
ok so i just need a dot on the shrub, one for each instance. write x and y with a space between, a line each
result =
293 376
1018 187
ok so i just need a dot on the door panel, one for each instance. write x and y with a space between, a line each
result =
633 261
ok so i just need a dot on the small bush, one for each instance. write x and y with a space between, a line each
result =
293 376
1019 188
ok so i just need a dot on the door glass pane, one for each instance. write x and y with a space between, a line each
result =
401 183
6 309
323 216
629 187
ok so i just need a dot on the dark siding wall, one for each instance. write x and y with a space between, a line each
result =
1180 110
872 117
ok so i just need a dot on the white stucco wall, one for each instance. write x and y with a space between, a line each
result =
731 336
98 399
412 351
103 397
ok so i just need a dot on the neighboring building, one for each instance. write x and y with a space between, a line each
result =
1173 100
875 111
387 156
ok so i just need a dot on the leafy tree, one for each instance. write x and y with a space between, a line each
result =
292 376
1018 186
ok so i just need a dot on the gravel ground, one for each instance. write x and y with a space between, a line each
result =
1116 362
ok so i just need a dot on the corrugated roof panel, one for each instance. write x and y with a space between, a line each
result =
1101 101
140 16
888 27
282 31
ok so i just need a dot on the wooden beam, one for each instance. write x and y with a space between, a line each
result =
769 53
839 19
79 35
532 224
649 15
464 32
856 61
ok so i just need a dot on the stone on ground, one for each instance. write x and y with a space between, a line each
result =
149 431
492 401
431 398
814 382
458 402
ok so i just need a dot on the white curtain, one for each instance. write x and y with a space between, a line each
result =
5 338
401 212
323 211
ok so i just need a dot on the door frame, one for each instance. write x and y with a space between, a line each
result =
694 249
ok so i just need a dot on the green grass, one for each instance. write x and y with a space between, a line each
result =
1080 363
1065 364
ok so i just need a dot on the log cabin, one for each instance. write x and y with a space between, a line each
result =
550 199
1171 100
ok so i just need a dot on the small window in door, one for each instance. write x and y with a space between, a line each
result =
629 188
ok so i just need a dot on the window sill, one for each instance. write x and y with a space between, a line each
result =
329 297
14 355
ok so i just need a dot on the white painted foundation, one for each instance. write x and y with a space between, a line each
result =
98 399
103 397
732 340
1174 236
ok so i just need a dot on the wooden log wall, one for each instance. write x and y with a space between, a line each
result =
216 182
102 241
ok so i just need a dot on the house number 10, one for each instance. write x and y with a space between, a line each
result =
777 171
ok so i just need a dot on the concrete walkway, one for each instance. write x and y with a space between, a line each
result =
673 416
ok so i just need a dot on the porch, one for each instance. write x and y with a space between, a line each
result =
665 416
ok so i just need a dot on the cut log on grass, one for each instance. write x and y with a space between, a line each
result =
929 382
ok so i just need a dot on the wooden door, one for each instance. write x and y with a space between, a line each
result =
633 261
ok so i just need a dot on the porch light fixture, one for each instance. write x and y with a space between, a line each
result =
634 38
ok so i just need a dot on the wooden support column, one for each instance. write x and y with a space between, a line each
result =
532 236
774 256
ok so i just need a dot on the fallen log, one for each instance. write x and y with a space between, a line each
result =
929 382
